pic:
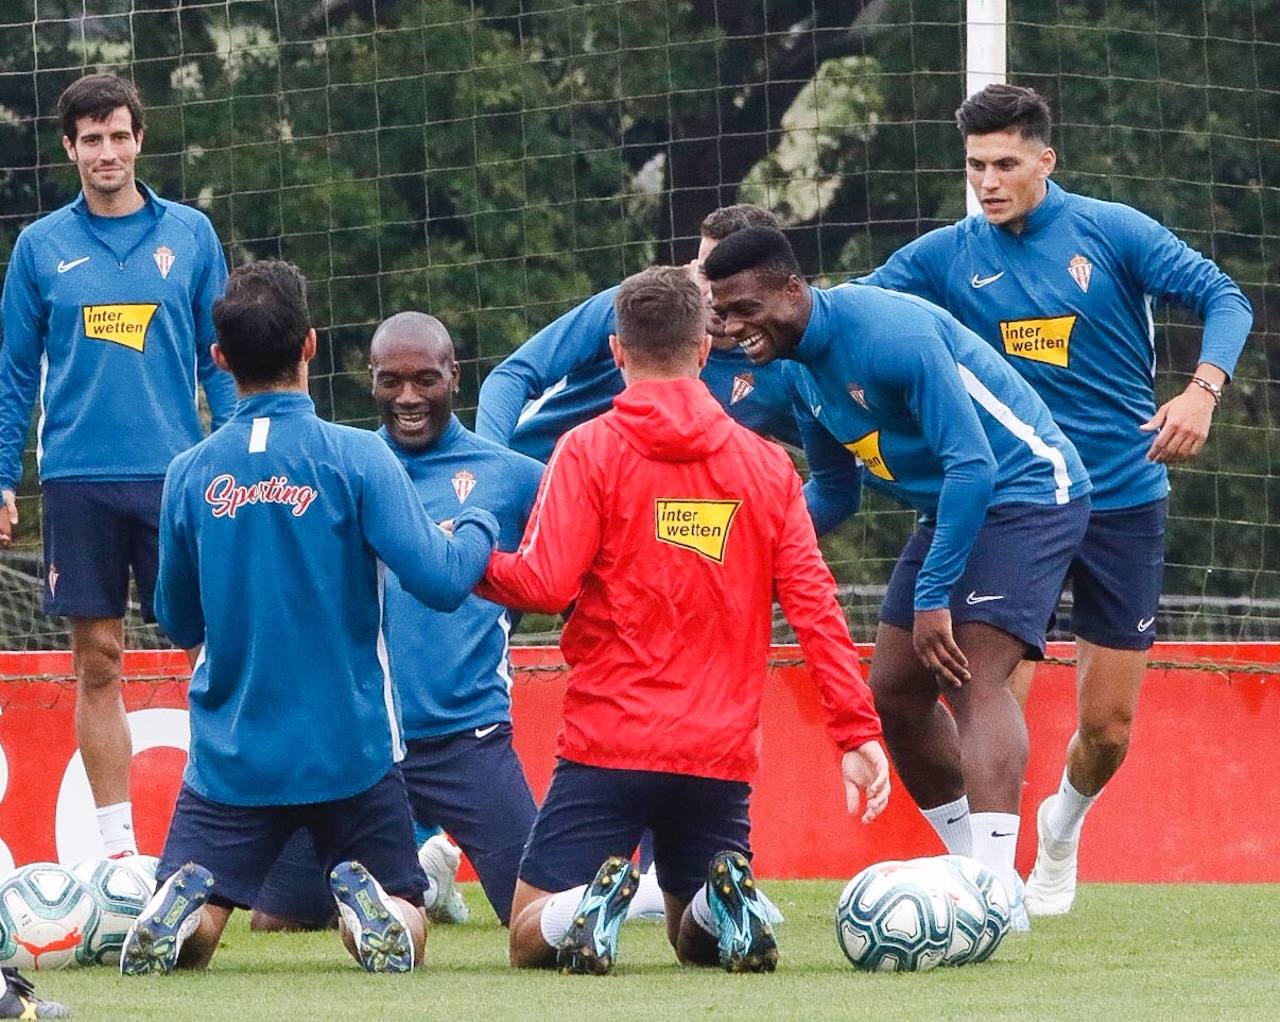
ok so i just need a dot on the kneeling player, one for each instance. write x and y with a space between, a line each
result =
664 519
274 534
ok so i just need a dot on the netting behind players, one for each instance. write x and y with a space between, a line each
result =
493 161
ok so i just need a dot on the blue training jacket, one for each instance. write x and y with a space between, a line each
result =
453 670
110 320
1069 302
936 419
564 375
276 535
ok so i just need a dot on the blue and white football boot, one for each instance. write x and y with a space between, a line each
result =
744 917
155 939
590 946
383 942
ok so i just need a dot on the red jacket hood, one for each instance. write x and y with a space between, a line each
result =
671 420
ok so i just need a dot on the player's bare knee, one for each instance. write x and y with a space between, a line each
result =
1107 738
98 654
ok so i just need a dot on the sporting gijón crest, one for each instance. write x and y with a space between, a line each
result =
1081 271
463 483
858 394
743 385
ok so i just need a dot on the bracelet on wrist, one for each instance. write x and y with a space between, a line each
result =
1214 390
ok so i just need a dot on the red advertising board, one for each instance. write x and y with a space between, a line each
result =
1194 801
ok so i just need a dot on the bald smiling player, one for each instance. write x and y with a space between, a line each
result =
452 670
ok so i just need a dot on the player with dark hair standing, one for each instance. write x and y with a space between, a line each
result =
649 517
277 535
942 424
1064 287
107 317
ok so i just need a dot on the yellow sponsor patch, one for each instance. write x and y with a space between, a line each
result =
698 525
867 449
1041 340
120 324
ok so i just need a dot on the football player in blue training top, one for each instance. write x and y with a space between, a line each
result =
1063 286
564 374
452 671
277 534
107 315
944 425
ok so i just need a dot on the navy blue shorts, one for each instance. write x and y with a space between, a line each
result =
1117 574
93 534
470 784
240 844
1014 575
591 813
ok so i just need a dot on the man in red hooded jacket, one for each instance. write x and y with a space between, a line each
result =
672 527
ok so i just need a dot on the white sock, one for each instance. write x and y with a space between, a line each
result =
995 840
558 913
115 824
430 894
951 821
648 901
700 909
1067 812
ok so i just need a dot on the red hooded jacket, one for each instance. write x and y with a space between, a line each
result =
673 527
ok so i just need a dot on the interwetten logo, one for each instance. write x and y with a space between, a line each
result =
124 324
867 450
226 497
1041 340
698 525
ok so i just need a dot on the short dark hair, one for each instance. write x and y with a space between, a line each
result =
720 223
262 321
661 315
97 97
764 249
1005 108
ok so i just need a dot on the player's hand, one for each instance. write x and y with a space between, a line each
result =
8 519
936 646
866 772
1183 424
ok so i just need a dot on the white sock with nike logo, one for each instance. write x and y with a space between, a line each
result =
951 821
115 824
995 841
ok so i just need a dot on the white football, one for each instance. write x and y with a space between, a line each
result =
121 889
895 917
45 912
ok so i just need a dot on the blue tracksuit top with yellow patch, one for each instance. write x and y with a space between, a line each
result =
937 419
276 537
1069 302
109 320
564 375
453 670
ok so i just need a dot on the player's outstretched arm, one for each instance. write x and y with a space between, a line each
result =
560 542
807 593
834 490
438 569
574 340
19 370
866 775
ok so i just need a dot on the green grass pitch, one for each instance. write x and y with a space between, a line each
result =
1128 953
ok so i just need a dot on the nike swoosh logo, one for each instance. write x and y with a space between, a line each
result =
973 599
956 819
1146 623
996 833
817 410
482 732
984 281
64 267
